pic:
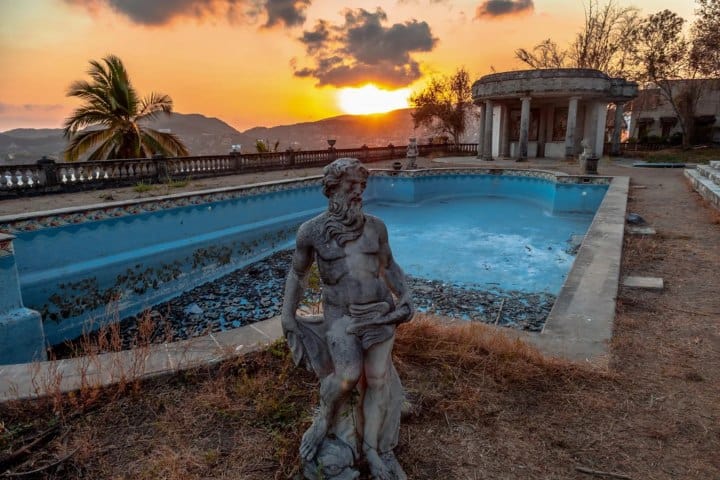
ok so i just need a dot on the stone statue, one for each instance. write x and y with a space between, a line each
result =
412 153
588 160
349 346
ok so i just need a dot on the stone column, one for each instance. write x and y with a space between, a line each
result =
542 126
505 131
570 131
524 129
481 133
615 147
487 140
21 330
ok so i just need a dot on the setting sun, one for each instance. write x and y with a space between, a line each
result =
371 99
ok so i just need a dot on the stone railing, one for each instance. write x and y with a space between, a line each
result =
48 176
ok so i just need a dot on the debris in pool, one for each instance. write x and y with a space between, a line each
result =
193 309
254 293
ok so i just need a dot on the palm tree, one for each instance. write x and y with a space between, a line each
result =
113 117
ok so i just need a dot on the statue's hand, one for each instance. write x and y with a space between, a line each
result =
289 324
405 303
293 335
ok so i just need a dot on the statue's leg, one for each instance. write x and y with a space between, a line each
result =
346 354
377 374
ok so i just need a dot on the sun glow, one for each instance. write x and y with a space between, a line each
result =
371 99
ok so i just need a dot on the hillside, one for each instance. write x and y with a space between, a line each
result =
211 136
349 131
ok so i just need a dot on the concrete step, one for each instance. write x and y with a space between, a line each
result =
715 164
709 189
709 172
648 283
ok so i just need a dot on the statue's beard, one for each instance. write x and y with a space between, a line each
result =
345 220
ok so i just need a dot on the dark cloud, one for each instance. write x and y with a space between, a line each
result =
498 8
290 13
364 49
161 12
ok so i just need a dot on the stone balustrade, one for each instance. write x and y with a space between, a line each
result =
47 176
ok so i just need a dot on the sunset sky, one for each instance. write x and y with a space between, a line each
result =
266 62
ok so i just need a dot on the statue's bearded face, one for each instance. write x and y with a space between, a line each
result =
345 217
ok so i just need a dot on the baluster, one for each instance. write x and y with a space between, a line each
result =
17 178
28 178
5 180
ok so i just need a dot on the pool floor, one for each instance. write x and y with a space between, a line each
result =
489 242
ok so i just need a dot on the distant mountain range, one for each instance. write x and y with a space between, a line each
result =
211 136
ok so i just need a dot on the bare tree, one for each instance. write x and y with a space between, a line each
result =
705 49
662 57
444 104
606 42
546 54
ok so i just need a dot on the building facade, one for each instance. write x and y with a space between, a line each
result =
654 116
548 112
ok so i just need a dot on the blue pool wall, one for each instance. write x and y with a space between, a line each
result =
86 267
557 198
22 338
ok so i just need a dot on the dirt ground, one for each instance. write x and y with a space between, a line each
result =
484 407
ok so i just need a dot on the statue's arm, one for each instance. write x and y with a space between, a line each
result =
295 282
394 275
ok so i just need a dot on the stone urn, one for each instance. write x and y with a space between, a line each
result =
591 165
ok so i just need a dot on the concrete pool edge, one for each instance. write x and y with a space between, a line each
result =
578 327
580 324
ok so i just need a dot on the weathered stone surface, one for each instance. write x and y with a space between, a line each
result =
349 347
650 283
641 230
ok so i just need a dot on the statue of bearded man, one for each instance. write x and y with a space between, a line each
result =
364 298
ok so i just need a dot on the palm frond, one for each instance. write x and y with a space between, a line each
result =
83 141
153 104
84 117
164 143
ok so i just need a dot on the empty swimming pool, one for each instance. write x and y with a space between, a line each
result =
504 229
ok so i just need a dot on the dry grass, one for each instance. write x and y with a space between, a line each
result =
678 155
243 419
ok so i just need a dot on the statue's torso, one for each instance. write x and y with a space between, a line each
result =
351 274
